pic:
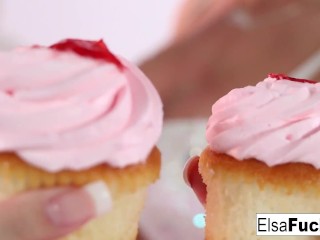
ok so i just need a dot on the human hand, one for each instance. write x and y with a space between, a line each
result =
52 213
192 73
195 14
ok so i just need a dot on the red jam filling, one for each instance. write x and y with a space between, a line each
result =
285 77
93 49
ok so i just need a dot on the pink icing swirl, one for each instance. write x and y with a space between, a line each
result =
60 110
277 121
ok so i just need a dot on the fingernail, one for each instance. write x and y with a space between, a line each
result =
186 175
101 197
78 206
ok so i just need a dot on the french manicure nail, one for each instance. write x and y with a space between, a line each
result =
77 206
101 197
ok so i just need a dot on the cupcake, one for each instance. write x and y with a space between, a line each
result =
262 156
72 114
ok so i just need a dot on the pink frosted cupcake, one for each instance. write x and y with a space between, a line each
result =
75 113
263 156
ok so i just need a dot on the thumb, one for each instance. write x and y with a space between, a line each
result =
53 213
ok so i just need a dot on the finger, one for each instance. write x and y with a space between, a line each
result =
193 178
218 10
50 214
196 15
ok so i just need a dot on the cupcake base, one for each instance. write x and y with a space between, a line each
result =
127 186
238 190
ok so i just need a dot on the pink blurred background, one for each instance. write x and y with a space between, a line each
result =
135 29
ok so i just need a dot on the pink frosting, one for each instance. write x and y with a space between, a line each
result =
276 121
60 110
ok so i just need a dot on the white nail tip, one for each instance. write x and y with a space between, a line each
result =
101 196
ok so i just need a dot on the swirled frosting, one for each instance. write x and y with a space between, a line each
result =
76 105
277 121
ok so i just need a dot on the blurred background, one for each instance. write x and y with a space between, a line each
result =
134 29
194 51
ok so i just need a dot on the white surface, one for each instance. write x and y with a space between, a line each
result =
134 29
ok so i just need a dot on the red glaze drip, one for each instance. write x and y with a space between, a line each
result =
94 49
285 77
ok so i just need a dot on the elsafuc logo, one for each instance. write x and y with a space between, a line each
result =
288 224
